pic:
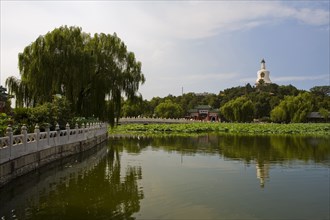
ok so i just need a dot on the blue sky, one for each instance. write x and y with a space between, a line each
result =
200 46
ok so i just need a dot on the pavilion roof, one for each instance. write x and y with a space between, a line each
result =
204 107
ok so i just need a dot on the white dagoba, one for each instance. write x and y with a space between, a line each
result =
263 74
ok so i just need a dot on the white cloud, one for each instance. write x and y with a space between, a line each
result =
250 80
313 17
154 31
301 78
290 79
206 19
202 76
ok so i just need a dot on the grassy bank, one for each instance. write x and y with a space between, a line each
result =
248 128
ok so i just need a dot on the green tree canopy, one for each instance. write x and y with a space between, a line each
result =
321 90
325 113
293 108
92 72
240 109
135 107
168 109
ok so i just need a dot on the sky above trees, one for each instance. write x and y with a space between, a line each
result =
198 46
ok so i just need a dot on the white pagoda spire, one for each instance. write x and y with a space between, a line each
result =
263 65
263 74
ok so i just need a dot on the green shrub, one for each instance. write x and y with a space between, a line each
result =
5 120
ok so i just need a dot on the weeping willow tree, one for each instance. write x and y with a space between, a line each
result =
92 72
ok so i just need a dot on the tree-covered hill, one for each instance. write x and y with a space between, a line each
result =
279 103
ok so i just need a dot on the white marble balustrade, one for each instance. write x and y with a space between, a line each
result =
14 146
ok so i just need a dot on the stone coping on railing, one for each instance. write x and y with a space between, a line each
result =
14 146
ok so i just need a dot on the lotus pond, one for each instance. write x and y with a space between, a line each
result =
207 127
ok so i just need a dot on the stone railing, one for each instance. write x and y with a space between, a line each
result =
15 146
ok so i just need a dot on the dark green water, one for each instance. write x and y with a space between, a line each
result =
205 177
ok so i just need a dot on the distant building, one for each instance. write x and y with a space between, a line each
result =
202 94
263 74
204 113
316 117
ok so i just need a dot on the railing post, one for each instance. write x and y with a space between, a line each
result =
24 133
93 129
9 133
84 130
67 127
48 133
57 129
37 131
77 130
88 130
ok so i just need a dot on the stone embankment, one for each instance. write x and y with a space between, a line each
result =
20 154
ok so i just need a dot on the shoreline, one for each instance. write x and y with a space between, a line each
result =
313 129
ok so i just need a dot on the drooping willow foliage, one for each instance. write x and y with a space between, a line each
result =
92 72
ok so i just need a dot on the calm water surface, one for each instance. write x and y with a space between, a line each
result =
204 177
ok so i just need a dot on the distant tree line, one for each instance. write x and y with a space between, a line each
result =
265 102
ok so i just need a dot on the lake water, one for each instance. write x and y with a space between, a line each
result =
203 177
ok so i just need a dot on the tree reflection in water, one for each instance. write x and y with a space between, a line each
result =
103 192
261 150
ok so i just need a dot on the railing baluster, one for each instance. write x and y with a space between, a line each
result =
48 134
67 127
24 133
37 132
9 133
77 131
